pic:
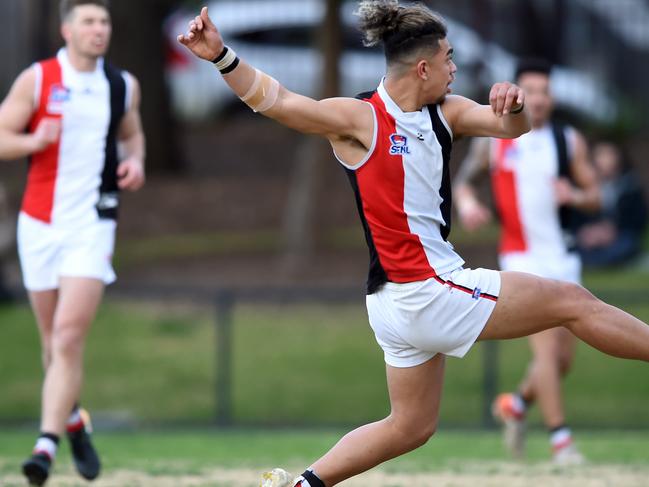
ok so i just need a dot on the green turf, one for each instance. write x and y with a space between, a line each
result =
187 452
153 362
141 363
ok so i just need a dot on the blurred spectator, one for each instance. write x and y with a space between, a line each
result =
615 234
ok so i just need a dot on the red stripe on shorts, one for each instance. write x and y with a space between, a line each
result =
465 289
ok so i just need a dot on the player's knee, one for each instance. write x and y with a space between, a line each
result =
545 355
414 432
46 356
584 295
67 342
545 365
416 438
565 364
426 433
564 368
578 300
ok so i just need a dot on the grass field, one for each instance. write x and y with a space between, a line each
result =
152 364
155 363
235 458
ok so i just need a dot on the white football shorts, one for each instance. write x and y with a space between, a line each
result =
48 253
565 267
415 321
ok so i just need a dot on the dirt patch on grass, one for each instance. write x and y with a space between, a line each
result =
488 474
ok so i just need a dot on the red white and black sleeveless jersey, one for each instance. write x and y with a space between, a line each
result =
403 193
74 181
523 174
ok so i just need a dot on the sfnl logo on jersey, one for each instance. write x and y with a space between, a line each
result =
59 94
399 145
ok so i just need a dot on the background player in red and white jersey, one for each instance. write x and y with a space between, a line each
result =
77 118
537 180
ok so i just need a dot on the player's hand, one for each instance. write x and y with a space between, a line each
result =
47 132
130 174
565 194
473 214
505 97
202 38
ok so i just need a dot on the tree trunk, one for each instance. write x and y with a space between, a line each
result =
138 46
312 157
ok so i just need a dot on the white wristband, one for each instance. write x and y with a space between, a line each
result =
229 58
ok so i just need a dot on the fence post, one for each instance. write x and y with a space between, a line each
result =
224 303
489 380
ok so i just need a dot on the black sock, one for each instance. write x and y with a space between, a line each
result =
557 428
313 479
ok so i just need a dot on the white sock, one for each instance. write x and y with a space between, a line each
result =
560 438
518 404
45 445
75 417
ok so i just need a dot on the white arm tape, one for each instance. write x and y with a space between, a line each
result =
263 92
253 87
270 98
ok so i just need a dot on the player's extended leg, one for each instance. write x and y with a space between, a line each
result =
415 394
529 304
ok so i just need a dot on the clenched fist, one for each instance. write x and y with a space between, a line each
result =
505 98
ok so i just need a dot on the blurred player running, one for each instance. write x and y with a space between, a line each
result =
537 181
68 114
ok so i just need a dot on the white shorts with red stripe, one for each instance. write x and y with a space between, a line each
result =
415 321
48 253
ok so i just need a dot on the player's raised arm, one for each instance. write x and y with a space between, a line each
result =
333 118
504 117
